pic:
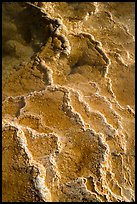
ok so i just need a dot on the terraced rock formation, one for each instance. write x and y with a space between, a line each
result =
68 102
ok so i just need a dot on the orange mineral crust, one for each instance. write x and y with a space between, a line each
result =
68 102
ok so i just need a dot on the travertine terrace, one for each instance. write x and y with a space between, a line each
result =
68 102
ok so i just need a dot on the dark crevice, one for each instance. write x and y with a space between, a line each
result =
21 105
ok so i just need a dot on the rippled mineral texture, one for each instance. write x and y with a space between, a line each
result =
68 101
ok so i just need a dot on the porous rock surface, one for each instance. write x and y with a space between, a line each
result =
68 102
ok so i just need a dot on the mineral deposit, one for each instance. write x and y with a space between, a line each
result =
68 102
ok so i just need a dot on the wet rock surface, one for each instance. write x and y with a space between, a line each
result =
68 102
